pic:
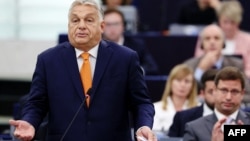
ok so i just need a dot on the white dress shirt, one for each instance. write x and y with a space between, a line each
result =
164 118
92 58
206 110
230 47
219 115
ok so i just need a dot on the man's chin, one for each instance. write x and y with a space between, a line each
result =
81 41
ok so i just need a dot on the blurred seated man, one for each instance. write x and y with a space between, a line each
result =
237 41
213 41
113 31
129 12
198 12
182 117
229 92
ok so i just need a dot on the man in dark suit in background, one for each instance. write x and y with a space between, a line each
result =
206 92
229 92
114 31
77 108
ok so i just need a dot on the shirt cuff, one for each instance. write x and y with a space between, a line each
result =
198 74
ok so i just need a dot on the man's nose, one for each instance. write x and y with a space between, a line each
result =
228 96
82 24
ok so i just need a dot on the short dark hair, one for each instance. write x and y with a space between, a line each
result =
208 75
115 10
124 2
230 73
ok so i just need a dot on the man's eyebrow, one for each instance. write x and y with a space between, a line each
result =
91 14
73 15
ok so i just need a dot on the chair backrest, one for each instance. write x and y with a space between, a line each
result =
189 30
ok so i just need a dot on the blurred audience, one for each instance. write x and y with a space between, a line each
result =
237 41
198 12
114 31
207 92
228 96
212 42
180 93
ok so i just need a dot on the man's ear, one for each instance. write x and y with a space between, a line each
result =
102 25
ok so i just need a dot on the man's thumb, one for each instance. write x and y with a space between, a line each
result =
13 122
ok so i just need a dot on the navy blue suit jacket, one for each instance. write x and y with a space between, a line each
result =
181 118
118 87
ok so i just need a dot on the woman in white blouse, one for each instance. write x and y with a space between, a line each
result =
180 93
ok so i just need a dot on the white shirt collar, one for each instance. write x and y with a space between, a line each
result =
121 41
171 103
93 51
206 110
219 115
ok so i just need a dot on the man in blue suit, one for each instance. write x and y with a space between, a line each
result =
118 87
182 117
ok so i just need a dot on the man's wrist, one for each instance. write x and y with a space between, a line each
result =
139 129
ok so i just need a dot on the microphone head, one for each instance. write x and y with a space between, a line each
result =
89 92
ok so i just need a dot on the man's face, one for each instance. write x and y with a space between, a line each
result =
228 26
212 39
113 26
84 27
228 97
208 93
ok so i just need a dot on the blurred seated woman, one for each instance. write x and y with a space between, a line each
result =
180 93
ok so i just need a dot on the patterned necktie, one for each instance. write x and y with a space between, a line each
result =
86 76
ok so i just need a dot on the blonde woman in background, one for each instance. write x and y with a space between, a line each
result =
180 93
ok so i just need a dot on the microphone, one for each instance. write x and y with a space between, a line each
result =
77 112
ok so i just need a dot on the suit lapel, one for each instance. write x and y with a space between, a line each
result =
69 58
210 121
243 117
199 111
103 58
225 62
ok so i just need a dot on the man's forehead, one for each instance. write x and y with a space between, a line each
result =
214 32
83 8
229 83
